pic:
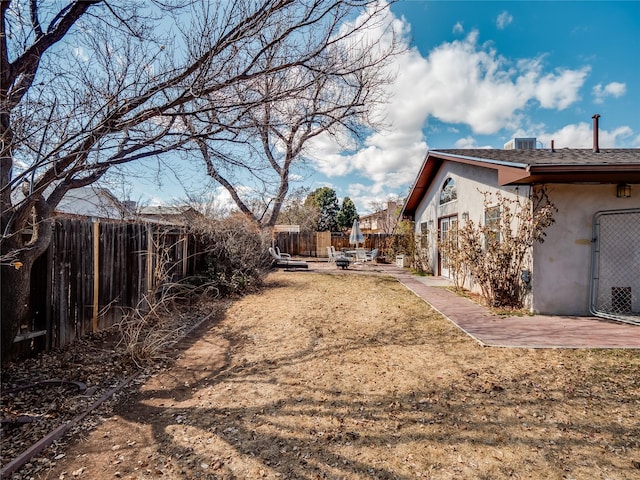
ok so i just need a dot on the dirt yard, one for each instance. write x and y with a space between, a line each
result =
344 376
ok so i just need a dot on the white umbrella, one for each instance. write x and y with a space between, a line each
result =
356 236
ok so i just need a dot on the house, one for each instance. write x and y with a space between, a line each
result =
286 228
589 263
383 221
93 201
178 215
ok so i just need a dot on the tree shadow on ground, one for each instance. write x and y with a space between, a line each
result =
297 429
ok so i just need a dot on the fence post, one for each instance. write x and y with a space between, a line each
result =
96 273
150 255
185 253
50 282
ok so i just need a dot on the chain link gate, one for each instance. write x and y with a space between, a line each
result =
615 271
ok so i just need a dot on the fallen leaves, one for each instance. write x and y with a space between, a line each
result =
39 394
385 388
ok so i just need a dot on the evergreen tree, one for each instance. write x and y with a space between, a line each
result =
325 201
347 214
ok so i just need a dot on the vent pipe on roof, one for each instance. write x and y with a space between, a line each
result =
596 146
553 146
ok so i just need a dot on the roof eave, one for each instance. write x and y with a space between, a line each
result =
517 173
428 170
628 173
508 173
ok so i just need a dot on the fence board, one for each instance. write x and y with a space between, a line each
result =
307 244
323 240
63 289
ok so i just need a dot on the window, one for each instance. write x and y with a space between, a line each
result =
492 222
449 191
424 235
448 245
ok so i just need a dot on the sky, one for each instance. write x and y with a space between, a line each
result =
476 74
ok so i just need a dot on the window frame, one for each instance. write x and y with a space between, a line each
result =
448 182
492 224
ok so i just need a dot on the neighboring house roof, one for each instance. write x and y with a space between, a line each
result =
525 167
92 201
177 215
380 221
164 210
286 228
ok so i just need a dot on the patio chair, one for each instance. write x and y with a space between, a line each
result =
361 255
337 254
371 256
286 256
283 260
331 255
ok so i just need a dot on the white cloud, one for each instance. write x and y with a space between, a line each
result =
613 89
458 28
222 202
357 189
81 54
558 91
503 20
469 142
466 142
462 83
390 157
581 136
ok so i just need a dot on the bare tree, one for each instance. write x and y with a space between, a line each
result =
95 85
386 214
296 211
332 93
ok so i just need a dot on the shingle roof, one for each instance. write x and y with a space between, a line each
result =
522 167
563 156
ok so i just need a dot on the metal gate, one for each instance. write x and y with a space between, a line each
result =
615 266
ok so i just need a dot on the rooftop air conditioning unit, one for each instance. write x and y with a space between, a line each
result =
521 144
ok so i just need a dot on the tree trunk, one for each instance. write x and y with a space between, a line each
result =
15 276
15 285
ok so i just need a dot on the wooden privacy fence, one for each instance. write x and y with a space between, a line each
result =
93 271
313 244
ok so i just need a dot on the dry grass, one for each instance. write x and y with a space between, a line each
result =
352 376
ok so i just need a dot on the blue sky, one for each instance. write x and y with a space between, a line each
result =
478 73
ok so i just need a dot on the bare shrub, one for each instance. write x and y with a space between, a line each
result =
235 261
452 257
158 321
401 243
494 254
421 257
144 333
236 257
406 242
154 324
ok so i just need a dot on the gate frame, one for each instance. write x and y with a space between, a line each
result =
595 273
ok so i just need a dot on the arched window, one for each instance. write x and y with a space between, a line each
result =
449 191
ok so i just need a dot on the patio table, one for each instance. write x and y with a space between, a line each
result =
343 263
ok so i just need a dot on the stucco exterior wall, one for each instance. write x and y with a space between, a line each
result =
562 264
471 181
